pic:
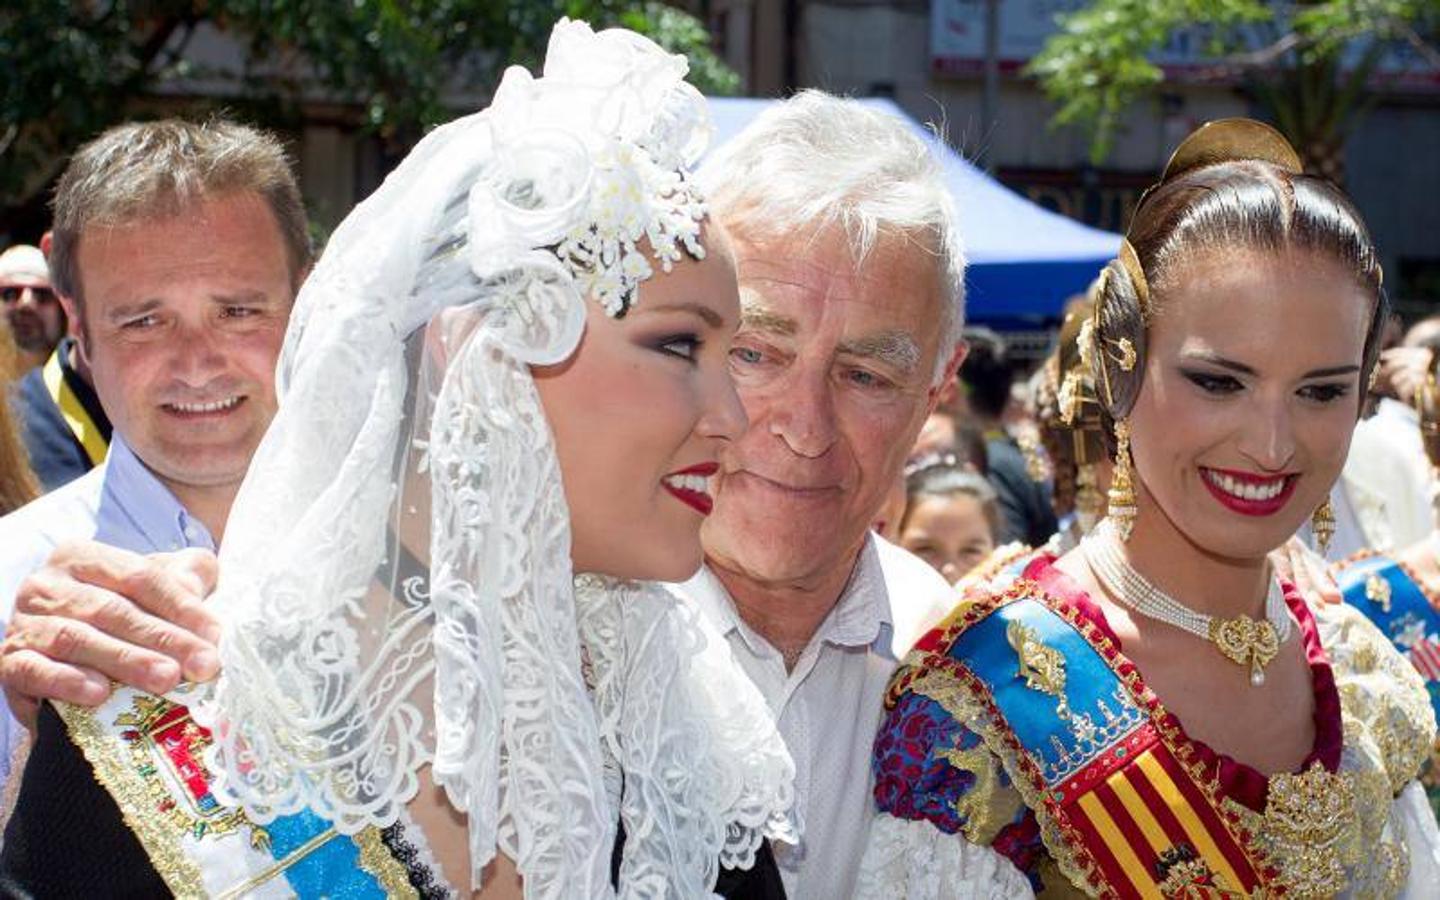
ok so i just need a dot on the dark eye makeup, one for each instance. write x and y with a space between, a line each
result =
685 345
1212 383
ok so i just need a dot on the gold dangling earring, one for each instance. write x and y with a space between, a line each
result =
1122 490
1322 524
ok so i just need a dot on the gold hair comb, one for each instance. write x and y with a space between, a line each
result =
1230 140
1223 140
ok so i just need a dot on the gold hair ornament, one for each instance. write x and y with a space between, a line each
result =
1126 359
1223 140
1122 509
1229 140
1131 262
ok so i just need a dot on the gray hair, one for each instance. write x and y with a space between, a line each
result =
143 170
817 161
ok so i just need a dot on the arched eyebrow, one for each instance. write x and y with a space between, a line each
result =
711 317
1216 359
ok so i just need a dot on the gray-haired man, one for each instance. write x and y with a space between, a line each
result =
850 271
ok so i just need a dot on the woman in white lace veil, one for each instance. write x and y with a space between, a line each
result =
508 367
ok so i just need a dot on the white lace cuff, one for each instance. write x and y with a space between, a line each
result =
914 860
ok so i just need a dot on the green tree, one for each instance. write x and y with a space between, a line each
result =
1311 69
399 66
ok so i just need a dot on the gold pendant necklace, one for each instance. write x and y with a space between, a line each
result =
1244 641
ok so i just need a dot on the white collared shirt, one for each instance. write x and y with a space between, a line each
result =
829 706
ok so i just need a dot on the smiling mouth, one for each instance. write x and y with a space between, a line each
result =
212 408
692 487
793 490
1247 493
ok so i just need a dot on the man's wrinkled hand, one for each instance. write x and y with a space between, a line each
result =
94 613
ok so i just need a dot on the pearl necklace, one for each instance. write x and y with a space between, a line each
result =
1242 640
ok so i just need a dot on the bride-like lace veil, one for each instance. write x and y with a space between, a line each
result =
396 582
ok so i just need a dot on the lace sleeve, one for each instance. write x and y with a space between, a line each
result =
1412 817
917 861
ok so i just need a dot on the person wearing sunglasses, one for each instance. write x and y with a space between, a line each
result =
62 423
32 312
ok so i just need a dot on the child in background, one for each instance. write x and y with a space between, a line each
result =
951 517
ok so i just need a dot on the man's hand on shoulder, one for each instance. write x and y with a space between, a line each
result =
94 613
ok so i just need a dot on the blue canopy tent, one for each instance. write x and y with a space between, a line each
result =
1025 260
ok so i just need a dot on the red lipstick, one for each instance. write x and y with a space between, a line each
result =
698 500
1244 506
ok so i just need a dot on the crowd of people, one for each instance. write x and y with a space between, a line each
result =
583 524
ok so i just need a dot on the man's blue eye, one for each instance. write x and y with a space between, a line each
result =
866 379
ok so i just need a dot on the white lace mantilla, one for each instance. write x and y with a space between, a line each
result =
396 581
699 759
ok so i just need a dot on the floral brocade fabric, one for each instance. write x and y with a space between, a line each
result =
1392 595
947 755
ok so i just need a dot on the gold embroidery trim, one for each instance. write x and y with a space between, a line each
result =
1377 590
377 859
988 806
958 691
119 779
963 696
144 751
1042 666
1064 843
1310 823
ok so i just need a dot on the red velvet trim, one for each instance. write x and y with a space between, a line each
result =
1238 781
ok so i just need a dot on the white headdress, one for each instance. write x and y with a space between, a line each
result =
397 587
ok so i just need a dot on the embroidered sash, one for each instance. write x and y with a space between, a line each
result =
1127 813
148 754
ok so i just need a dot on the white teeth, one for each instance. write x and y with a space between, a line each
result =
1246 490
216 406
697 483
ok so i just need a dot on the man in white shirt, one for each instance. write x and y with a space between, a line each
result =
850 272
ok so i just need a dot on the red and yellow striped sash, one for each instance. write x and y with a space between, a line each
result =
1154 833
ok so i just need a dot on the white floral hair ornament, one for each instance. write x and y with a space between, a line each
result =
589 161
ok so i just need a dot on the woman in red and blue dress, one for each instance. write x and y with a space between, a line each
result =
1154 713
